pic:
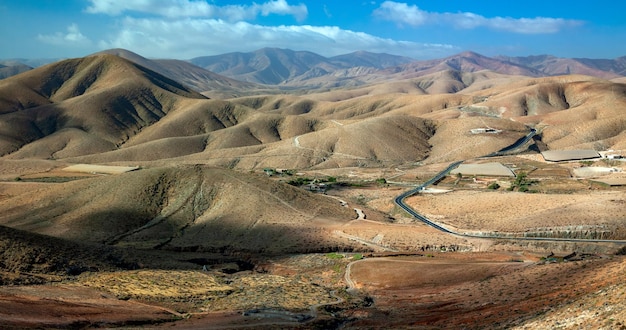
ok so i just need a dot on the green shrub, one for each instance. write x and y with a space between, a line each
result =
494 186
299 181
334 255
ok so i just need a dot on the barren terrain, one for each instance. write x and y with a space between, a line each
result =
131 200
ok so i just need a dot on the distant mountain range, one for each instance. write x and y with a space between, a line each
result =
269 70
11 69
275 66
119 106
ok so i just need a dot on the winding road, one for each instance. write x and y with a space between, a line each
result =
513 148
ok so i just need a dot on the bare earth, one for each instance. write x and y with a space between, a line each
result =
519 212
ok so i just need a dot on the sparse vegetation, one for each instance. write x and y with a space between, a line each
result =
522 183
334 255
300 181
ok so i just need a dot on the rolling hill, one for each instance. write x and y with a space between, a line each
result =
79 106
103 108
190 208
194 77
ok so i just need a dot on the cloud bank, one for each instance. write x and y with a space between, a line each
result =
184 29
188 38
195 8
404 14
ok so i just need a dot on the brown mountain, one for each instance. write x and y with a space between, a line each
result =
286 69
80 106
104 108
283 66
308 70
370 60
555 66
12 69
194 77
463 62
264 66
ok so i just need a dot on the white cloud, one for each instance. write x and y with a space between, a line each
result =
195 8
401 13
73 37
192 37
404 14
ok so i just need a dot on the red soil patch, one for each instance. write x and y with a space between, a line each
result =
448 293
70 306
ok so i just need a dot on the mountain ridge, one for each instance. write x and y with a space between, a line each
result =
275 70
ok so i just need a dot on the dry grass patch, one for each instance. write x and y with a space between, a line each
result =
271 291
159 285
193 291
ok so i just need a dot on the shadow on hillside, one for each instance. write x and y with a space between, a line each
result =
163 246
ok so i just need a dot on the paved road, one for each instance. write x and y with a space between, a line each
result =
508 150
400 199
513 148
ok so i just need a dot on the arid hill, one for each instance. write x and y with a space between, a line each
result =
79 106
80 115
194 77
27 257
574 112
555 66
189 208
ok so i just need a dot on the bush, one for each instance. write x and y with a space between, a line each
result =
300 181
334 255
494 186
521 183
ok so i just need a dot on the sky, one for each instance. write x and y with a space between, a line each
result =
184 29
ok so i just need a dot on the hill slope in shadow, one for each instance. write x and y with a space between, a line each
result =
189 208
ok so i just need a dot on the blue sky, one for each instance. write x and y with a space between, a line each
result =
184 29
